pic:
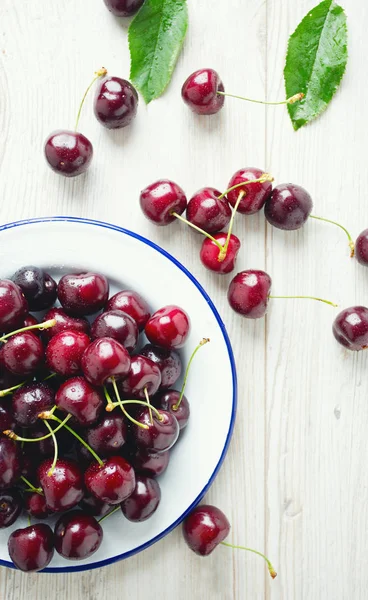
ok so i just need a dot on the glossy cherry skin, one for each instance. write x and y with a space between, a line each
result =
350 328
168 327
118 325
77 535
249 292
256 194
160 199
31 548
6 415
361 248
207 211
199 92
10 507
91 505
288 206
63 489
112 482
64 322
210 253
143 374
7 379
205 528
68 153
109 435
144 500
116 103
160 435
148 463
10 462
132 304
79 398
23 354
123 8
35 505
37 286
168 361
103 359
83 293
13 306
167 400
29 401
64 352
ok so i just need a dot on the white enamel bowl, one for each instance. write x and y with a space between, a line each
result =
64 244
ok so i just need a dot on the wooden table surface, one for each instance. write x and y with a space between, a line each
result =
294 482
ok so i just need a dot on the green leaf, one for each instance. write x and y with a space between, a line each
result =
316 60
156 36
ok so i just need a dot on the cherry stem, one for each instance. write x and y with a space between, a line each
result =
40 326
149 404
351 242
109 513
121 404
141 402
29 520
56 448
17 438
100 73
269 564
108 399
262 179
201 343
32 488
222 254
202 231
306 298
11 389
290 100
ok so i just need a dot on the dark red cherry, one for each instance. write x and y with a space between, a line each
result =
112 482
168 361
91 505
205 528
200 92
103 359
13 305
116 103
31 548
79 398
7 379
144 500
161 433
160 199
248 293
207 211
35 505
148 463
77 536
6 415
144 374
109 435
168 327
210 253
255 194
37 286
23 354
118 325
83 294
288 207
168 400
132 304
64 323
64 352
361 248
123 8
10 507
68 153
350 328
29 401
10 462
63 488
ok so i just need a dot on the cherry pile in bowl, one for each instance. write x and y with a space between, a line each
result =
88 412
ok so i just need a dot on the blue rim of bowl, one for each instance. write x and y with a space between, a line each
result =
155 539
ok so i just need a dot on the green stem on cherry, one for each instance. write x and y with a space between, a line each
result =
32 488
291 100
50 376
201 343
18 438
202 231
108 399
351 241
111 407
109 513
262 179
11 389
222 254
306 298
56 448
39 326
29 520
100 73
120 403
149 405
269 564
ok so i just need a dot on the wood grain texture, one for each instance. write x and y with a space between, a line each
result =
294 482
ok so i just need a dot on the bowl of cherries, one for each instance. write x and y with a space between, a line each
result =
113 419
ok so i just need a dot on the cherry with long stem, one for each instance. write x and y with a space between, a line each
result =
100 73
121 403
269 564
200 345
351 241
291 100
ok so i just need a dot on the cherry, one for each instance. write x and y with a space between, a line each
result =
254 194
10 463
103 359
77 536
64 323
288 207
37 286
169 400
123 8
83 293
79 398
23 354
132 304
144 500
211 253
143 378
168 327
31 548
205 528
91 505
112 482
13 305
200 92
35 505
361 248
62 486
68 153
160 433
162 201
168 361
10 507
249 292
7 379
29 401
148 463
6 416
208 211
350 328
116 103
118 325
109 435
64 352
